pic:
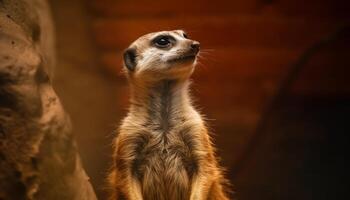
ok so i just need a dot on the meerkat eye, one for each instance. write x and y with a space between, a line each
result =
163 41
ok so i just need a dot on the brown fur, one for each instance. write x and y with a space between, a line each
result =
163 150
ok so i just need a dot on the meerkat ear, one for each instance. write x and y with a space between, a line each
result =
130 59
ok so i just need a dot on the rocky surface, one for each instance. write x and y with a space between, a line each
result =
38 156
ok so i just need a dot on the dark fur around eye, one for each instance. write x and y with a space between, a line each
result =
163 41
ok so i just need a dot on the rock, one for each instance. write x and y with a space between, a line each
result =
38 155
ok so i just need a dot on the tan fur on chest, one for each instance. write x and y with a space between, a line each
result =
164 163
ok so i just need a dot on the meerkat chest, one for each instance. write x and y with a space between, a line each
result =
162 152
167 160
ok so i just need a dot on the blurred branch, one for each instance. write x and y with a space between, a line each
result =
280 93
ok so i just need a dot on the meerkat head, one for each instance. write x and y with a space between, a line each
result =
161 55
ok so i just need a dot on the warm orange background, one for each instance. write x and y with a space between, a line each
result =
248 47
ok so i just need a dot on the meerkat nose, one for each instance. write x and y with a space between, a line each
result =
195 46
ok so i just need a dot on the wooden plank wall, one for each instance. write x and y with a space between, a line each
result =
248 47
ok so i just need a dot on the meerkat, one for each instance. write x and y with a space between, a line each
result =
163 150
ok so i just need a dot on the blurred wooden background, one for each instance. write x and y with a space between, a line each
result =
248 47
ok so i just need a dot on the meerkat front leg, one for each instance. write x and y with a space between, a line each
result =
204 188
127 186
200 187
216 192
134 189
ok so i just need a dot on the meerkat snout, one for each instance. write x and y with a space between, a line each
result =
195 46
